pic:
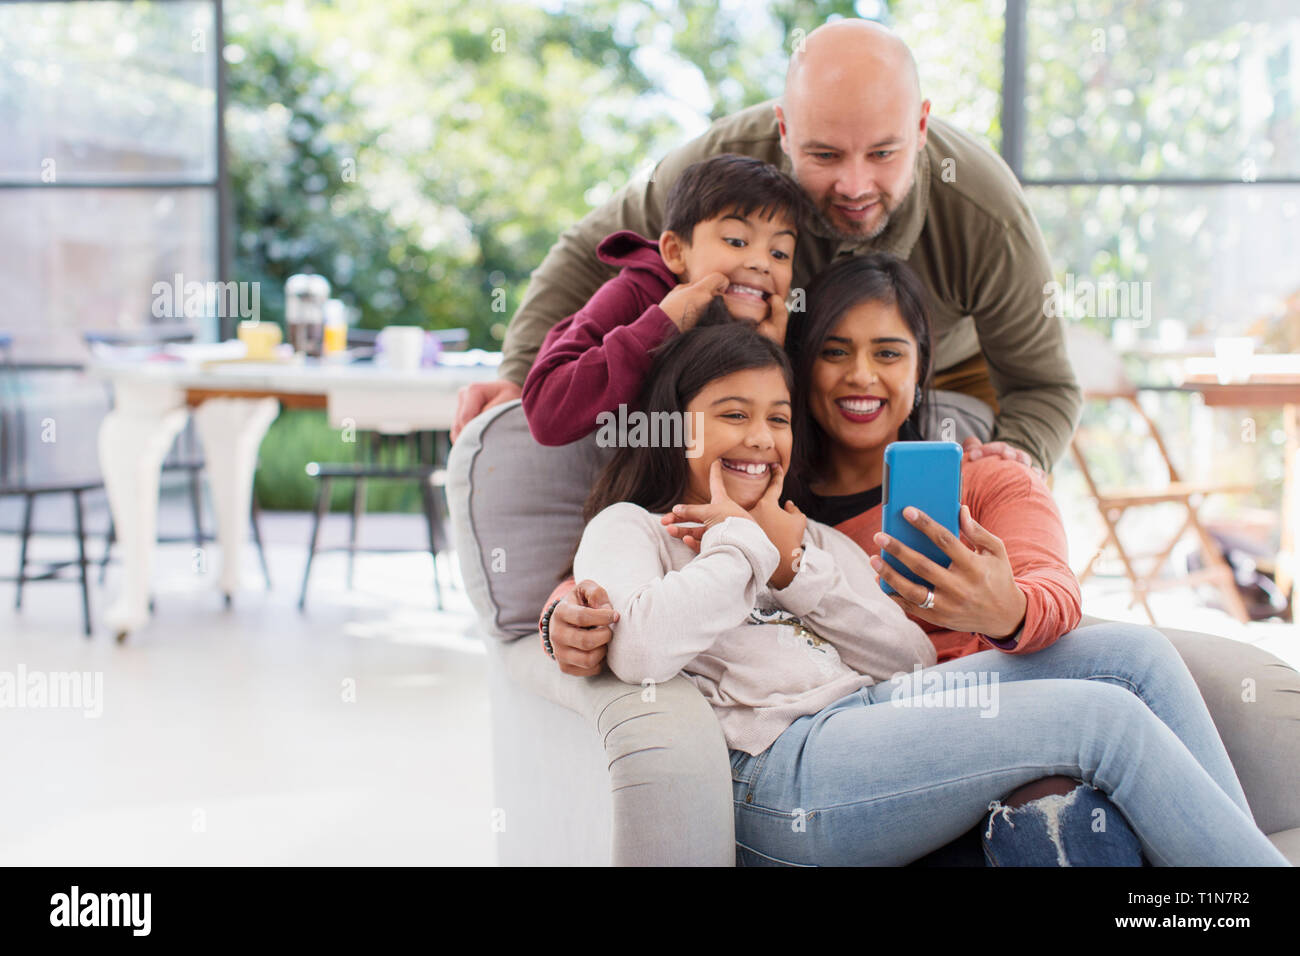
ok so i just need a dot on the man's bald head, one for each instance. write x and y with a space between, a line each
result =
852 122
849 55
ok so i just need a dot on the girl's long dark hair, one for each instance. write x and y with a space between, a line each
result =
656 478
879 277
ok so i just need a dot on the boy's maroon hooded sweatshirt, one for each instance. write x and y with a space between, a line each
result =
597 358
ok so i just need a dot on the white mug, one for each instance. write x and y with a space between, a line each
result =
402 347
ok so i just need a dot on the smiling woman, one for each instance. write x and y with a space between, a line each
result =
861 361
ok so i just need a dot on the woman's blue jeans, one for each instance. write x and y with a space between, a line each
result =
896 770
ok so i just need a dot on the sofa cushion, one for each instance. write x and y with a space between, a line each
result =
516 513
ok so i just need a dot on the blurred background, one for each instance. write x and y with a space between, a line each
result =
425 154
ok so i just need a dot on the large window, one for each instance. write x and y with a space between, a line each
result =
1161 143
110 164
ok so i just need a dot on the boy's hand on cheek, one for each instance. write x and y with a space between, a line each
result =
773 327
686 302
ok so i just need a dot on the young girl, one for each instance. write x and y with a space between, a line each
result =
772 619
781 624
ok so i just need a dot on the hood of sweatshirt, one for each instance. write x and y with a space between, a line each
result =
629 250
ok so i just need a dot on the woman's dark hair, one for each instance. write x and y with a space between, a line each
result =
656 477
878 277
729 182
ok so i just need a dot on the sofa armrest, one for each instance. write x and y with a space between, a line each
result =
669 772
1254 699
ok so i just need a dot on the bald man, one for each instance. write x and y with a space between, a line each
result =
853 129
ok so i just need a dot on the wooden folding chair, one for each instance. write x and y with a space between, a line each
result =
1102 377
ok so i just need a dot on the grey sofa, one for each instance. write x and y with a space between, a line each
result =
594 771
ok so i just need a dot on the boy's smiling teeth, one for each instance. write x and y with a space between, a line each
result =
736 289
751 469
859 406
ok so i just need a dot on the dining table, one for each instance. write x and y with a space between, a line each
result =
233 401
1261 381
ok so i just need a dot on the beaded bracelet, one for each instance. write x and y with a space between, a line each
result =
546 628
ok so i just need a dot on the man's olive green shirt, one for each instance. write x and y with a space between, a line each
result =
965 228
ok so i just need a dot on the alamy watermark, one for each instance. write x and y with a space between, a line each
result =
67 690
127 910
1086 299
930 687
193 299
638 429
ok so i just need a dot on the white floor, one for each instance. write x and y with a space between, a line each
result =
353 734
1181 608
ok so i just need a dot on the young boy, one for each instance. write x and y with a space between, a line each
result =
730 225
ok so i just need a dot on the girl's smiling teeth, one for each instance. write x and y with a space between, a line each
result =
750 469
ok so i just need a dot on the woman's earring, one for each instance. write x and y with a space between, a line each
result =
916 402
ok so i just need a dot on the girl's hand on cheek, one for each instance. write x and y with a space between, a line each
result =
784 527
688 535
719 509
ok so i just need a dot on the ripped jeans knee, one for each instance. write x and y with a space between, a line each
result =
1080 828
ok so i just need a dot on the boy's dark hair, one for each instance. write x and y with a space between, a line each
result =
720 184
656 477
878 277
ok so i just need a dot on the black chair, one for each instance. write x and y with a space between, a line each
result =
412 457
20 475
416 457
185 455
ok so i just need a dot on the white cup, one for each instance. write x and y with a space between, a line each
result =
1172 334
402 347
1124 334
1233 357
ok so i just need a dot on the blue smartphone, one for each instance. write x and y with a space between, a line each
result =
924 475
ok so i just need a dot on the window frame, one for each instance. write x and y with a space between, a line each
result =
219 184
1012 147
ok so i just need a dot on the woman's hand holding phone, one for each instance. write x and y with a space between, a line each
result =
977 592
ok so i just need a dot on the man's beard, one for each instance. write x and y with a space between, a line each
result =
825 223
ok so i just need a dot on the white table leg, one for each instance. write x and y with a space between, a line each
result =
232 430
134 439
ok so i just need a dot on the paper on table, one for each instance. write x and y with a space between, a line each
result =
1287 364
472 357
208 351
